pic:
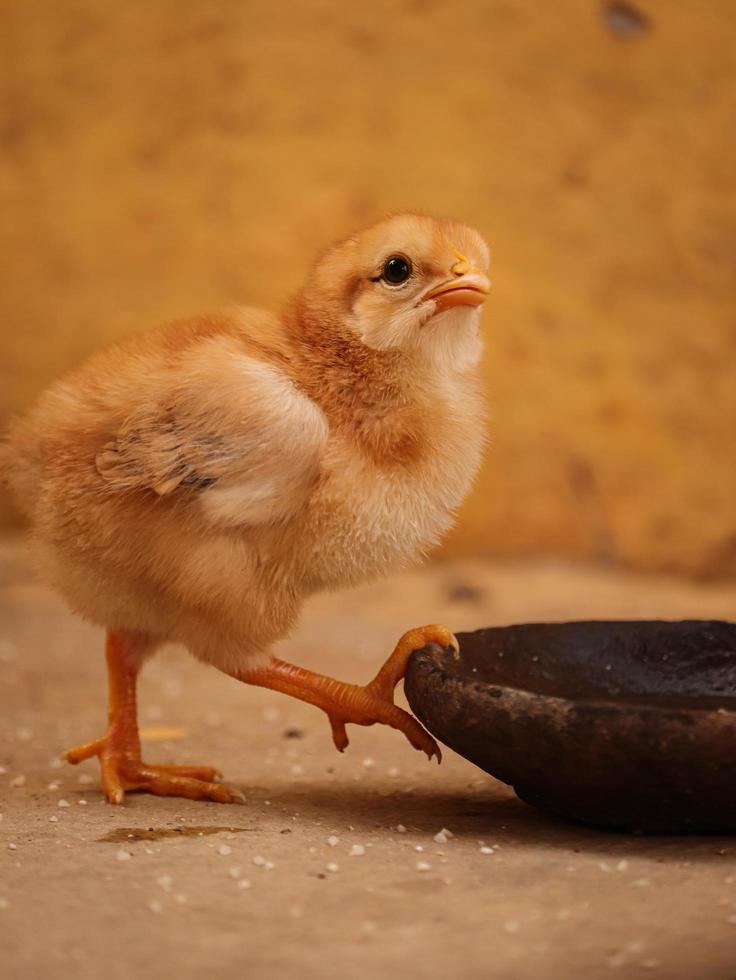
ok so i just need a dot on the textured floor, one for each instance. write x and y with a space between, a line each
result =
161 888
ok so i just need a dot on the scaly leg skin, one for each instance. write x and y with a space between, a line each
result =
358 704
119 750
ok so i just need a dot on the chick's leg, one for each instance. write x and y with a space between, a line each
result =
119 750
358 704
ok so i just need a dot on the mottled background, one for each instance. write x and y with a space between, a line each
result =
169 157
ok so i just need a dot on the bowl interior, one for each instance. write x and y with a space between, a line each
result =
688 664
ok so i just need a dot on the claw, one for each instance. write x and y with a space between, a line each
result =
339 734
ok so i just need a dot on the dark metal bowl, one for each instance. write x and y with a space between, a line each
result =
624 725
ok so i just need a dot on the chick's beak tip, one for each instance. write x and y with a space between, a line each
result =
467 290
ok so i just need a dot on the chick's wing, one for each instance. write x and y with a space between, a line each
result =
230 428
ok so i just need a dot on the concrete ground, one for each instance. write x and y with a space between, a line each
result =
331 869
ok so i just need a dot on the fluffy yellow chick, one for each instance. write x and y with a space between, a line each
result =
195 483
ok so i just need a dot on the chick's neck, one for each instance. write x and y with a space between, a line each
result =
372 394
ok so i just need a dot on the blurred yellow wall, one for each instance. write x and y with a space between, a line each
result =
165 157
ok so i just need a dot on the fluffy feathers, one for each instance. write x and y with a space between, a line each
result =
196 482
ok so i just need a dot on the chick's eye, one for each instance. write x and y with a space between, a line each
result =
396 270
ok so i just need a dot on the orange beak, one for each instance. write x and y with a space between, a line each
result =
467 290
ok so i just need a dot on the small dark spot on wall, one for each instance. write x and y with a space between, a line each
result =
364 41
624 19
580 475
591 511
663 528
575 173
13 132
464 592
420 6
78 31
545 319
212 26
233 72
654 370
515 348
611 412
149 155
721 563
573 177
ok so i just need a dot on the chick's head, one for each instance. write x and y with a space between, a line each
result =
408 282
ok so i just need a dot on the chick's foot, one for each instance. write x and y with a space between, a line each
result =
119 751
356 704
121 769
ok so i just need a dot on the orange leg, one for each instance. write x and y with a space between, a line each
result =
353 703
119 750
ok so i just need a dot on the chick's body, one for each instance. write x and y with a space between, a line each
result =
196 482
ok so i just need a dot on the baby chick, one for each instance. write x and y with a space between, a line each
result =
195 483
